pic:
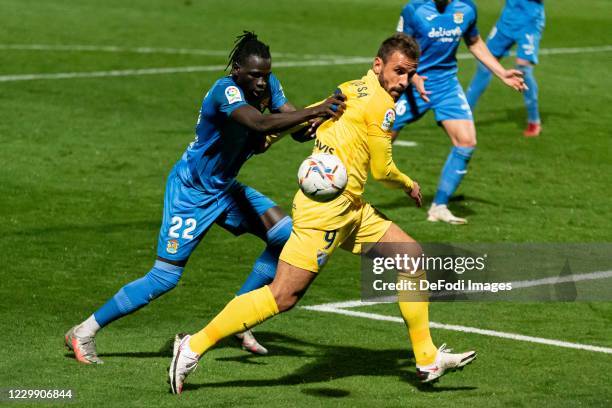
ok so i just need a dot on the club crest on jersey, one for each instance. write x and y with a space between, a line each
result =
322 257
232 94
172 247
458 18
388 121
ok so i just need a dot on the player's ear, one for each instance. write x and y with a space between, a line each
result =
235 69
377 66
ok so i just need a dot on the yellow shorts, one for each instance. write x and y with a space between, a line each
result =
320 228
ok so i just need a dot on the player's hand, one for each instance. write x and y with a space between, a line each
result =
311 132
332 107
415 194
514 79
419 83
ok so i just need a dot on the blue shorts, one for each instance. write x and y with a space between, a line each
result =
447 100
189 213
528 41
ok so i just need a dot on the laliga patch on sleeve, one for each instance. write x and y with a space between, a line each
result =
388 121
232 94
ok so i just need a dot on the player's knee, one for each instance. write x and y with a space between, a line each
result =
286 301
523 63
163 277
285 298
466 138
279 233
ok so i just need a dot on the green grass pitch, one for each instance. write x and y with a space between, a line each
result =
83 166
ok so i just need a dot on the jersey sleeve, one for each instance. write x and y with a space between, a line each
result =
278 98
472 30
379 117
383 168
406 21
227 98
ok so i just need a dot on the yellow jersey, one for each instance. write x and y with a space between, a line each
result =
361 138
370 112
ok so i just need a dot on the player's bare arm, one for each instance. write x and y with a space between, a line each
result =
511 77
277 122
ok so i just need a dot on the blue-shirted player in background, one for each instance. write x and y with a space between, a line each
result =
202 187
438 26
521 22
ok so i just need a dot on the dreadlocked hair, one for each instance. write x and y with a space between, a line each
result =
246 45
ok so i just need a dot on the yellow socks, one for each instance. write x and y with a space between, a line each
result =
416 316
242 313
415 312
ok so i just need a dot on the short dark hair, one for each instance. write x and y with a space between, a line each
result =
399 42
246 45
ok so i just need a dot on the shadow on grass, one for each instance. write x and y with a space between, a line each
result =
330 362
89 228
457 203
517 116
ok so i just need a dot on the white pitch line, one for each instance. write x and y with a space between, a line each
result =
515 285
222 53
554 51
333 60
405 143
464 329
171 70
148 50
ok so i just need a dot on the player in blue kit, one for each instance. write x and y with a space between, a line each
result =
438 26
202 188
521 22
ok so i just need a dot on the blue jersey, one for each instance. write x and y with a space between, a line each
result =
221 146
438 34
518 15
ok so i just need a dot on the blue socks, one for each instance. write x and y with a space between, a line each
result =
530 95
452 173
160 279
479 84
264 269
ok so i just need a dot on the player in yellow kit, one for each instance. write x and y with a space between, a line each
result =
361 138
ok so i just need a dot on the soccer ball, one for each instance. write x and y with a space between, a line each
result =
322 177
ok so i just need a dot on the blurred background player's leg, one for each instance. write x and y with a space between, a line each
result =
527 57
479 84
498 44
534 124
454 113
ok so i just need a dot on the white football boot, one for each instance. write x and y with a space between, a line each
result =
445 362
440 212
184 362
84 347
250 343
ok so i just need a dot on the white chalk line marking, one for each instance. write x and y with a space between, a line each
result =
147 50
405 143
464 329
341 308
328 61
169 70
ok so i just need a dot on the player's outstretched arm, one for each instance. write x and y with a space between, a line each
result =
383 168
511 77
278 122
